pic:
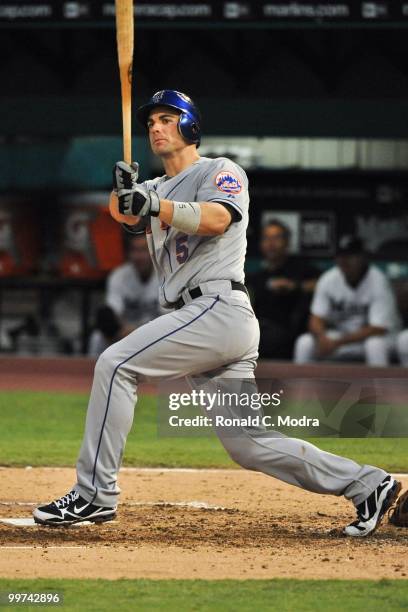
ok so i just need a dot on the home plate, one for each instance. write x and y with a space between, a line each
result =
29 522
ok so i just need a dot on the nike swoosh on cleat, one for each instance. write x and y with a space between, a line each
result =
79 510
366 515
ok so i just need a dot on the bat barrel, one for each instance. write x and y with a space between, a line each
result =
125 44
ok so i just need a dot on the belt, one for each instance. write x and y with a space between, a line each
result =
196 292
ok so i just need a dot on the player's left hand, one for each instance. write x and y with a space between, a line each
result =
125 176
134 199
139 201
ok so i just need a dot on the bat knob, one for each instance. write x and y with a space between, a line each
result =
114 211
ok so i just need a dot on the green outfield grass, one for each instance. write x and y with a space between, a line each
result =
220 595
46 429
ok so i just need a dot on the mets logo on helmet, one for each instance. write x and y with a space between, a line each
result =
228 182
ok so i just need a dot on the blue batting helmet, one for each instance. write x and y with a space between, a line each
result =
190 117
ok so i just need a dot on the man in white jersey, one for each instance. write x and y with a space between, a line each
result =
131 297
199 214
353 314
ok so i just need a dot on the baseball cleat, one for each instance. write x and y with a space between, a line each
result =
70 509
371 511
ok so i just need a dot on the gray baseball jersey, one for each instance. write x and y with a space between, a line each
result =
183 261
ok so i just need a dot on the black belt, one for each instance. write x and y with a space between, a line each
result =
196 292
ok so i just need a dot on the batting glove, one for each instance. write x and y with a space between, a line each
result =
139 201
125 176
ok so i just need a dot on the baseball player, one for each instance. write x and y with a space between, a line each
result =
354 314
199 214
131 298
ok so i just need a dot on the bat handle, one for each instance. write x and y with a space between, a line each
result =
127 135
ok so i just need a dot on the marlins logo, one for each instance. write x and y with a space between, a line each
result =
228 183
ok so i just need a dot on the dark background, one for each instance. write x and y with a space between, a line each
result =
317 82
292 77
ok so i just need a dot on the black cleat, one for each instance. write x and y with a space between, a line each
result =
70 509
371 511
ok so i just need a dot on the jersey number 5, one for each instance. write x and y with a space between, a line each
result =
182 248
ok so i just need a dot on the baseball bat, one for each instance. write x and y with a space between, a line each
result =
125 46
125 43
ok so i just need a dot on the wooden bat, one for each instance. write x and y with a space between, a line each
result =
125 45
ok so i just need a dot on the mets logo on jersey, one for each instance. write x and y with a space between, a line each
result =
228 183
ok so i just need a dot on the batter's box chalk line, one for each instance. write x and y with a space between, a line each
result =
17 503
29 522
184 504
196 505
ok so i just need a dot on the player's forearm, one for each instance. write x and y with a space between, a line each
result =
214 218
362 334
317 326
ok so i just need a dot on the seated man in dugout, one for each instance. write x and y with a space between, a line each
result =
132 298
354 315
281 292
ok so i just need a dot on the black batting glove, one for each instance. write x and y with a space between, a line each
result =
125 176
133 199
139 201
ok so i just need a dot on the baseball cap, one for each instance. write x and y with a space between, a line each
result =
350 244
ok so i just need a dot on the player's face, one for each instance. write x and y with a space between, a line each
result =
274 243
165 138
352 266
138 254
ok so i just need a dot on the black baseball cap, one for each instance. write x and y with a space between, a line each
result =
350 244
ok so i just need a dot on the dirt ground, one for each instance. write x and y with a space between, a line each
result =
210 524
228 524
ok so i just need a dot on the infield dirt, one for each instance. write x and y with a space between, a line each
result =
253 527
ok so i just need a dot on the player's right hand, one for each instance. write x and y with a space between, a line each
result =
125 176
139 202
326 346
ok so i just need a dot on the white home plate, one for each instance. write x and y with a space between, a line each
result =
29 522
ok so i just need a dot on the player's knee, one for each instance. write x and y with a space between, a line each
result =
244 452
402 346
375 349
402 341
97 344
375 343
304 348
106 363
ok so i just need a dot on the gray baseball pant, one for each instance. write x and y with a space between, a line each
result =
214 333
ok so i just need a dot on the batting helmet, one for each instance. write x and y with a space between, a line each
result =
190 117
